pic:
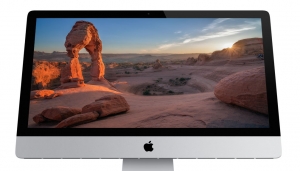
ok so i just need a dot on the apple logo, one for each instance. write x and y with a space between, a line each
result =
148 147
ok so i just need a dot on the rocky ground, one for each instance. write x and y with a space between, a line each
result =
225 89
172 96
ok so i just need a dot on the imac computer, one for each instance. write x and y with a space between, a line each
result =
148 87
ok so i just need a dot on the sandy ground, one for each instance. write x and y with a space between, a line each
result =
196 107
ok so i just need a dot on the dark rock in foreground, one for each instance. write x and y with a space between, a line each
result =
107 105
78 119
56 114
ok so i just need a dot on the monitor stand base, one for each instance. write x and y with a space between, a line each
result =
148 165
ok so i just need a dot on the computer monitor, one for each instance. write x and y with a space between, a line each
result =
148 85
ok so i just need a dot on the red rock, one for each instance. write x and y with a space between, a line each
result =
45 74
53 95
246 89
107 105
60 113
251 46
221 54
39 94
83 35
71 72
39 118
77 120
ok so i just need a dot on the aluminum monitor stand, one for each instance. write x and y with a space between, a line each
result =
148 165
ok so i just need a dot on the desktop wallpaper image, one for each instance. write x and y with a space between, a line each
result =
148 73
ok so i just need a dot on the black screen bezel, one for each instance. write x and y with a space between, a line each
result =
23 129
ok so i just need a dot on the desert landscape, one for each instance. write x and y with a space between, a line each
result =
222 89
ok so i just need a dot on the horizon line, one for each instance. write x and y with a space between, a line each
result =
127 53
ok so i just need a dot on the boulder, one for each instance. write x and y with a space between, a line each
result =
78 119
39 118
157 64
107 105
246 89
40 94
60 113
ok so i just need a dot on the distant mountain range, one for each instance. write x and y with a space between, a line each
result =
118 58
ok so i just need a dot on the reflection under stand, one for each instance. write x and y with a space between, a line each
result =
148 165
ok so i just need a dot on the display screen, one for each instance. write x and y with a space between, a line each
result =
148 73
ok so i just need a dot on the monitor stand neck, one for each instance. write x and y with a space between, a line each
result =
148 165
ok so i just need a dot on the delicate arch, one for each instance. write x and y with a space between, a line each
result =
83 35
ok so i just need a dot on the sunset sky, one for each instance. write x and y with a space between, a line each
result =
171 35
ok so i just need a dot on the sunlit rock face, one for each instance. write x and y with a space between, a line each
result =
251 46
83 35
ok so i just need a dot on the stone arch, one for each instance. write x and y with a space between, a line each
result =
82 35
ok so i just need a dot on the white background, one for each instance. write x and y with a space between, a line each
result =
285 25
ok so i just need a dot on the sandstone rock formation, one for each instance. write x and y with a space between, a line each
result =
157 64
246 89
251 46
53 95
104 106
45 74
107 105
202 58
40 94
221 54
190 61
78 119
39 118
83 35
60 113
43 94
48 72
56 114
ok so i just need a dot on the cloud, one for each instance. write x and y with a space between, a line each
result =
177 32
165 46
226 32
214 23
185 36
212 31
